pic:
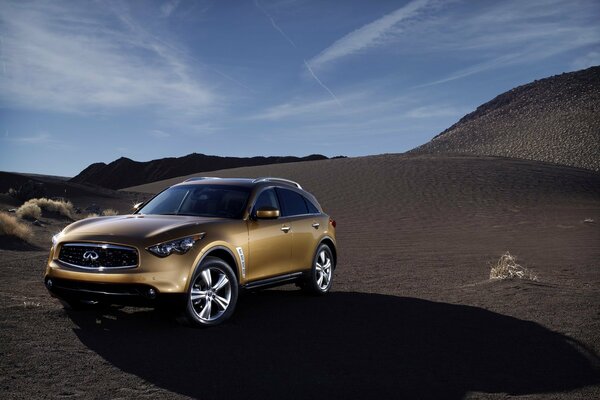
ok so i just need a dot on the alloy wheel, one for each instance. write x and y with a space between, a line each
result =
211 294
324 270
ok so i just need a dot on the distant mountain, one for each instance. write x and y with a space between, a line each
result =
53 186
555 119
125 172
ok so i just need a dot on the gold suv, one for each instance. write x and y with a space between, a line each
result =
194 246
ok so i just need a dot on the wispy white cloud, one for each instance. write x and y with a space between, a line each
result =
66 58
436 111
293 44
369 35
489 36
168 7
157 133
589 60
274 24
357 103
498 62
40 140
362 106
316 78
510 33
292 109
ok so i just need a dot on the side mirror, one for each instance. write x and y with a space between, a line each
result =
267 213
137 206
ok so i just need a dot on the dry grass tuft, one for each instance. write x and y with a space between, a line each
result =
508 268
91 215
109 212
10 226
29 211
61 207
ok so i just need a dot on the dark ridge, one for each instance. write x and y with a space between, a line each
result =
91 170
52 186
125 172
556 119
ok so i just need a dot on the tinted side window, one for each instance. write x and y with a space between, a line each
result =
312 209
293 203
266 199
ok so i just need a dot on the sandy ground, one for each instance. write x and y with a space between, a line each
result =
413 313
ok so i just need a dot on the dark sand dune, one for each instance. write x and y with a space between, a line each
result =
413 313
556 119
54 186
400 214
126 172
81 195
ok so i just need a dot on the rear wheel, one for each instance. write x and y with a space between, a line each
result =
212 295
320 277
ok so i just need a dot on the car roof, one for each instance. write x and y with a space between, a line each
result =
243 182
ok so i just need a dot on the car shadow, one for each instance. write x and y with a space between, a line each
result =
283 344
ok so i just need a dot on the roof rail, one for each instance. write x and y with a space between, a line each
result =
200 178
280 180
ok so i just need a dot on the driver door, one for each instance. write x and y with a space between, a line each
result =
270 241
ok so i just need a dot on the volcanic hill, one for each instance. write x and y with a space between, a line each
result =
556 119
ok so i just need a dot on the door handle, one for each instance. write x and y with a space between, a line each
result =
316 225
285 228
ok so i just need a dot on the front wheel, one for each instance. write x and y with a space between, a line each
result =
320 277
212 295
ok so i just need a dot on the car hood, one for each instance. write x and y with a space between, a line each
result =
134 229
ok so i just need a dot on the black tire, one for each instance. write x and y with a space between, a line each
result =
203 294
315 282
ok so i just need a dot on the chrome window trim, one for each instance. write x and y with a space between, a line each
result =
259 192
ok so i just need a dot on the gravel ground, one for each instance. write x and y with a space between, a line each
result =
412 315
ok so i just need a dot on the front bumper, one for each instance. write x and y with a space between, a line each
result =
141 295
165 275
155 281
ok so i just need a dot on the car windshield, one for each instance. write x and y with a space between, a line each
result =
220 201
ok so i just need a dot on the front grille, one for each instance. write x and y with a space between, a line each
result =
98 256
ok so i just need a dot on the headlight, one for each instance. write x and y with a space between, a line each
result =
55 238
179 246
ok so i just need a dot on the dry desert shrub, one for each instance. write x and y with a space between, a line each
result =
109 212
508 268
29 211
61 207
91 215
10 226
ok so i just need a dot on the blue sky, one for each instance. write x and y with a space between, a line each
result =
83 82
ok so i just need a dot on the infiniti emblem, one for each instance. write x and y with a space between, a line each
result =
90 255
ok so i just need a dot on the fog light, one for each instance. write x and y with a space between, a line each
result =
151 293
49 283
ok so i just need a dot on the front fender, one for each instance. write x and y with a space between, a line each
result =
218 247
